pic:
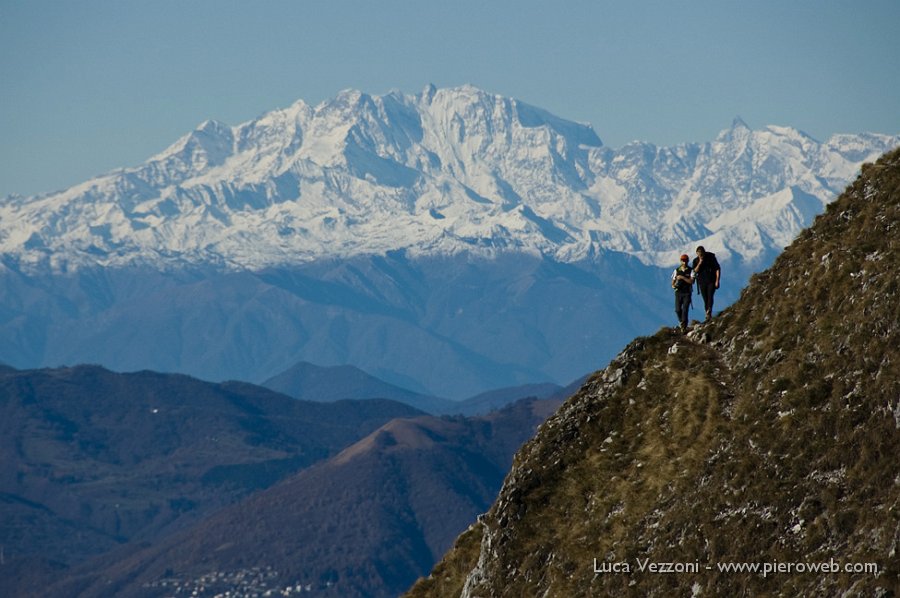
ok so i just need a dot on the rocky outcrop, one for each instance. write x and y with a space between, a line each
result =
755 456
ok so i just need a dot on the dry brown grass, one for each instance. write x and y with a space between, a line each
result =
771 435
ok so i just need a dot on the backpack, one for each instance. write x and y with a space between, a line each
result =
707 273
680 285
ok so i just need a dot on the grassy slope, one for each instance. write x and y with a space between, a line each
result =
771 434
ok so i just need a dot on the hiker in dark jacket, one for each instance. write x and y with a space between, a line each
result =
707 273
683 283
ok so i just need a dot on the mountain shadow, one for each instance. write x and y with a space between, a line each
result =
767 438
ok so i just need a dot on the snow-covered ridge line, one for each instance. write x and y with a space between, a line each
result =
443 171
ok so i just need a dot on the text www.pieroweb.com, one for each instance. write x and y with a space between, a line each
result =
764 569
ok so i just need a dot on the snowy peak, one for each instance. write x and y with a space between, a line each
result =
444 171
738 131
428 93
279 130
532 117
469 113
738 123
207 146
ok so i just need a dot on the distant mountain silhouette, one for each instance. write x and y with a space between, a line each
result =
91 460
124 483
330 383
312 382
366 522
496 399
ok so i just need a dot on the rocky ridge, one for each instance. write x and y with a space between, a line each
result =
766 438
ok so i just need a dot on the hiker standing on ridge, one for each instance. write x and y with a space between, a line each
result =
683 283
707 272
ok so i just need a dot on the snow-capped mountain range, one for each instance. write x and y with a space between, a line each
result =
449 242
442 172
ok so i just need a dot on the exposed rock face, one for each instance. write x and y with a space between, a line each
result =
767 438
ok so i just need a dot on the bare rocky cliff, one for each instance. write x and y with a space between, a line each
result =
758 455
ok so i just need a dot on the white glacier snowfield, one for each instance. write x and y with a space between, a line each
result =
446 171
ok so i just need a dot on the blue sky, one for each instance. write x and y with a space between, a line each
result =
89 86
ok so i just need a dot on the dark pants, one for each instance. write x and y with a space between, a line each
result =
707 290
682 307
